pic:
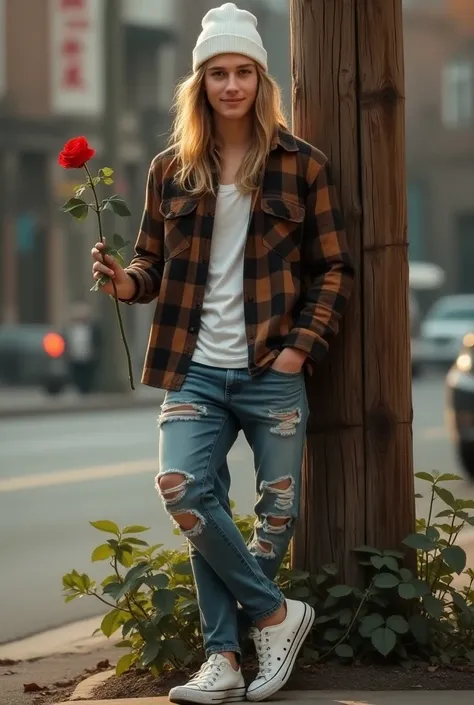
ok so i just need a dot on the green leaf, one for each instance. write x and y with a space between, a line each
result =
455 557
128 626
395 554
124 664
125 644
420 628
183 568
133 528
460 602
368 549
340 591
70 598
370 623
344 651
449 477
176 648
398 624
345 617
164 600
124 557
318 580
406 574
433 606
407 591
117 205
101 553
421 587
109 527
108 182
120 244
112 621
432 533
445 513
384 640
324 619
136 542
427 476
377 561
330 569
150 652
77 208
159 581
332 635
106 171
300 593
99 283
386 580
446 496
420 542
113 589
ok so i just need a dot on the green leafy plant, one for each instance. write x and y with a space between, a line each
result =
400 616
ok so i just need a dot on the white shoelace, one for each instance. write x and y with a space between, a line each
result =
207 674
264 653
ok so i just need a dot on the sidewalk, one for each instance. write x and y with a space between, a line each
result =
19 401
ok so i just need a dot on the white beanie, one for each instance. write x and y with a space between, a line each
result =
228 30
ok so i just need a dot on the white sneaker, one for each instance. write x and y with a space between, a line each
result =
277 648
215 682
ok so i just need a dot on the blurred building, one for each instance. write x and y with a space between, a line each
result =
54 74
439 71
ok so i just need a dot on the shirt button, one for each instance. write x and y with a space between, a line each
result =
250 299
198 307
192 329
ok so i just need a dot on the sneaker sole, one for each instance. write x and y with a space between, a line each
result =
189 695
278 681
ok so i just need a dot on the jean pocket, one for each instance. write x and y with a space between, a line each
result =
288 375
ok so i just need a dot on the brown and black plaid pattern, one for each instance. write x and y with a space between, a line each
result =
298 272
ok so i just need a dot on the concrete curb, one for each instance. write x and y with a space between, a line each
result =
430 697
85 689
114 402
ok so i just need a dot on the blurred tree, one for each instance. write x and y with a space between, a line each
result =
348 99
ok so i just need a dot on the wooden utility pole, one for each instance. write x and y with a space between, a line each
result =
348 100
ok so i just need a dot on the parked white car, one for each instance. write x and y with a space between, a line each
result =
444 327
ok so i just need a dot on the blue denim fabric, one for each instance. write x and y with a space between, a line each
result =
199 424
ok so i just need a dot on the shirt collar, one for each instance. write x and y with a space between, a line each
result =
284 138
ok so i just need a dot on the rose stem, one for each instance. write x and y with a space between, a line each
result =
117 305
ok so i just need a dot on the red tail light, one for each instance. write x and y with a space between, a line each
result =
54 345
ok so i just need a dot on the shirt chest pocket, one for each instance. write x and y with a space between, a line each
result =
179 218
283 226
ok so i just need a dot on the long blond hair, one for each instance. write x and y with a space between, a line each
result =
193 142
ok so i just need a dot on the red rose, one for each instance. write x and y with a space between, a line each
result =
75 153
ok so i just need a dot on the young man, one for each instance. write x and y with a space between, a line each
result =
242 245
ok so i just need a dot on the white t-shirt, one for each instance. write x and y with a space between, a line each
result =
222 340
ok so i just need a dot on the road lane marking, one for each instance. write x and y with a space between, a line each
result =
67 477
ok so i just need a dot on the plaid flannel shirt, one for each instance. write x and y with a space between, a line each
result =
298 272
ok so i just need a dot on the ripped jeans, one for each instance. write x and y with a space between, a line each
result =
199 425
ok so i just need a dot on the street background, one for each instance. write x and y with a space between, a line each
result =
107 71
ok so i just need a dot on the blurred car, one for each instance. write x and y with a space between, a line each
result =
443 329
460 404
33 355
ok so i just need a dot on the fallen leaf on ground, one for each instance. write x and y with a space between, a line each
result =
33 688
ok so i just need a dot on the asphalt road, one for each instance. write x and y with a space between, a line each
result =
59 472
